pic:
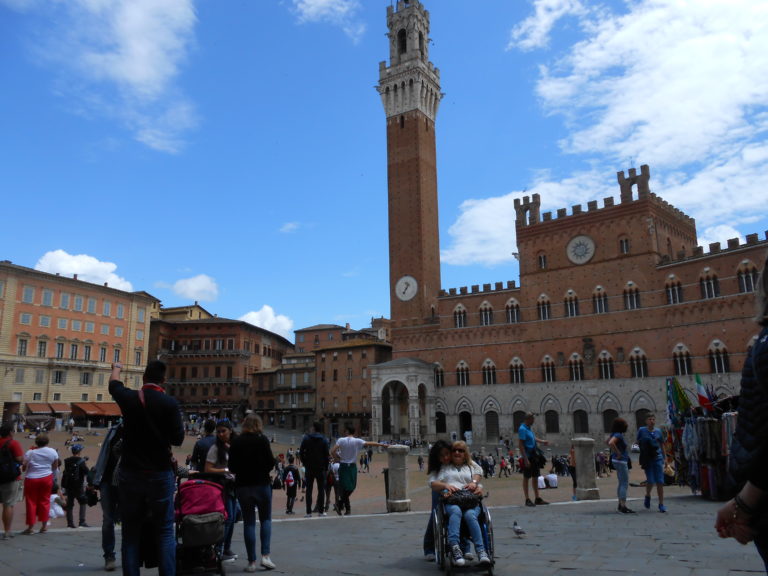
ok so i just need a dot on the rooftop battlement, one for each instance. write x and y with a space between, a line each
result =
475 289
715 248
528 210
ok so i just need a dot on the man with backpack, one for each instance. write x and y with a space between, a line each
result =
11 456
73 483
314 452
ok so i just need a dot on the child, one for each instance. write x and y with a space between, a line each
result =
291 481
73 483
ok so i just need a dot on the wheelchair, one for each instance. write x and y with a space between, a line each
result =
443 556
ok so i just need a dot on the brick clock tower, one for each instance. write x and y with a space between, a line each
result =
410 91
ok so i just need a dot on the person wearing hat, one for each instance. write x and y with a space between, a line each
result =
73 483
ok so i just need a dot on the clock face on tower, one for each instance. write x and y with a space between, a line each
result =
580 249
406 288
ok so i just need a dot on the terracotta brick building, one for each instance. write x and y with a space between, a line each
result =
214 364
58 338
613 298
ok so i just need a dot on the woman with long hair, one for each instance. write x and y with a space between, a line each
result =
620 459
39 466
745 517
217 462
251 460
461 473
439 454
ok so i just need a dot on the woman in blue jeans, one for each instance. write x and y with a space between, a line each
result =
461 473
251 460
620 459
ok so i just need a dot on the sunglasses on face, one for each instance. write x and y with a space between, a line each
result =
458 451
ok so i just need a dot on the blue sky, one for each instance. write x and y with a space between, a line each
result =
234 152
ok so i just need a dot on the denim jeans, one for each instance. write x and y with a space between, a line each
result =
143 493
109 510
69 507
455 514
316 477
251 498
429 534
230 503
622 474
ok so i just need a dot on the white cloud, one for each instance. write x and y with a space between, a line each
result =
675 84
719 234
86 267
119 59
340 13
267 319
289 227
533 32
200 287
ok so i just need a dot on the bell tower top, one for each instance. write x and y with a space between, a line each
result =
411 81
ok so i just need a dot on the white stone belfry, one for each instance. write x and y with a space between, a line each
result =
411 81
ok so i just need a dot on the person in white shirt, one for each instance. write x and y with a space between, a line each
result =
461 473
346 451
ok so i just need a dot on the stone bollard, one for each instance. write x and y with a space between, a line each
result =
586 477
397 498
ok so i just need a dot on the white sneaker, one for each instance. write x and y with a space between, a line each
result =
485 560
458 557
429 557
251 567
469 556
267 563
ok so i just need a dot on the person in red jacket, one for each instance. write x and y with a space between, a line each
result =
10 491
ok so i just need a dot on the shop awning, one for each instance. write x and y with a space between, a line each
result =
60 407
108 408
86 408
38 408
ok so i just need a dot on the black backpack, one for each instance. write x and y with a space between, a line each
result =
72 479
9 468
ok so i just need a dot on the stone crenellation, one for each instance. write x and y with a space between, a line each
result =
528 209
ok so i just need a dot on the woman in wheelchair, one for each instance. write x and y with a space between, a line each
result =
461 473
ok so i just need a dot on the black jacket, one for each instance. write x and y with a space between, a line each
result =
749 447
150 432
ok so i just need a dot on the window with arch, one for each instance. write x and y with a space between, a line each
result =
548 373
718 358
580 422
631 297
575 368
460 317
486 314
513 312
674 290
747 277
605 366
623 245
440 423
462 375
439 377
402 41
543 308
489 374
600 301
638 364
552 422
609 415
542 260
710 285
517 371
682 361
571 304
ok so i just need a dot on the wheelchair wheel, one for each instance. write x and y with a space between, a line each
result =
440 534
488 537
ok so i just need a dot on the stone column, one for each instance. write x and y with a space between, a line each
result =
397 499
586 477
413 418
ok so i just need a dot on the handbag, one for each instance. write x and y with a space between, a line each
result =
538 459
464 499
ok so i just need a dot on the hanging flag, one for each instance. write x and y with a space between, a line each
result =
704 400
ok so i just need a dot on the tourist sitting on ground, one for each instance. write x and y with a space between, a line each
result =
461 474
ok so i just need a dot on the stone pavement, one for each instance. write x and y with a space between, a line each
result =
573 538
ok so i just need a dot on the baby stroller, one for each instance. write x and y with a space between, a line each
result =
200 515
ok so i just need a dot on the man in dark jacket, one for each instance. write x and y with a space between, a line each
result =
314 452
73 483
200 450
146 476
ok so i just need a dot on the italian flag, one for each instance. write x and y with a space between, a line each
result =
703 396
